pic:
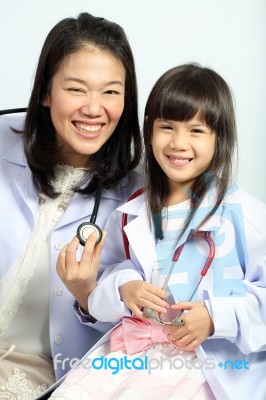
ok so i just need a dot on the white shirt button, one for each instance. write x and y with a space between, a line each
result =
59 246
58 340
58 291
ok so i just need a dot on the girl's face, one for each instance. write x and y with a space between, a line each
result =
86 103
183 150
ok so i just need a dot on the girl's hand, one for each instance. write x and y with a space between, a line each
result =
138 294
198 326
80 276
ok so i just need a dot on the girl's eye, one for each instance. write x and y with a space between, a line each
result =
195 130
166 127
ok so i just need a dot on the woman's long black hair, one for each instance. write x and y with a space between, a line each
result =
122 152
179 95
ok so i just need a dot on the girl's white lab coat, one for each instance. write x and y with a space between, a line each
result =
18 206
239 315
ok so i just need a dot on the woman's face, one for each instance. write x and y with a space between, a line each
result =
86 102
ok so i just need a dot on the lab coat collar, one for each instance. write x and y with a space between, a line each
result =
81 206
141 234
16 155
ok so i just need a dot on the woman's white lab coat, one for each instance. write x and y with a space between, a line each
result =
18 206
236 298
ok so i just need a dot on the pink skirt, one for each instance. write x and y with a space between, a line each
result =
161 372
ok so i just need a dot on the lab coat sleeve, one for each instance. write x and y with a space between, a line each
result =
104 301
241 317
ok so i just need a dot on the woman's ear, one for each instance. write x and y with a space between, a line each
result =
46 102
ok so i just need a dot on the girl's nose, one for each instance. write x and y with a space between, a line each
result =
179 141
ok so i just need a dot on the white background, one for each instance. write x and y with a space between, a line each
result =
226 35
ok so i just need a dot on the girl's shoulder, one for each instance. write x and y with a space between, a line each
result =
235 195
252 209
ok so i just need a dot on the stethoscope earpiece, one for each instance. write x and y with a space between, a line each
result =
86 229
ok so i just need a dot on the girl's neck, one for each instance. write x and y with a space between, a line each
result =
178 195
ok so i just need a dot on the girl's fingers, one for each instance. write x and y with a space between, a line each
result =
185 305
155 290
156 306
136 311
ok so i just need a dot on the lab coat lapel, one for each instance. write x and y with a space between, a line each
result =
81 208
20 174
24 186
140 234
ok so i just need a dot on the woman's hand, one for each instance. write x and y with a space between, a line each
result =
198 326
80 276
138 294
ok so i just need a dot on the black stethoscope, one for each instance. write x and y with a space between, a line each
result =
84 230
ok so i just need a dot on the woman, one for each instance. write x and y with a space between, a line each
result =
81 132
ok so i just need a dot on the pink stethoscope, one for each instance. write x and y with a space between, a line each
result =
202 235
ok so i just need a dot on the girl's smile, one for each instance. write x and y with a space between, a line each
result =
183 149
179 161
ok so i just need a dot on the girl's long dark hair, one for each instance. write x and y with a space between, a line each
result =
121 153
179 95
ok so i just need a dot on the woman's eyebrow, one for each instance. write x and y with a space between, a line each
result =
72 79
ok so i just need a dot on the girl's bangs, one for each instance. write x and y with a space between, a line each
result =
178 106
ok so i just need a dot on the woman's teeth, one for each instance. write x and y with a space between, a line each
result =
87 128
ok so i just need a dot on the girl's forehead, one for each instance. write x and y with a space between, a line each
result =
198 117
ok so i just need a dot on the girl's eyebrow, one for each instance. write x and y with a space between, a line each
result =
198 123
194 123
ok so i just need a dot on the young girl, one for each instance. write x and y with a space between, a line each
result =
198 330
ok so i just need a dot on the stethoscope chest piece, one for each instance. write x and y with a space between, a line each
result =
85 230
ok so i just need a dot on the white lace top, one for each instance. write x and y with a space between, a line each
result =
24 290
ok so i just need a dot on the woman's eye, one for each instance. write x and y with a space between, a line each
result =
111 92
76 90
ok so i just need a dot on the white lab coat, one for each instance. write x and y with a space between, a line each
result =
18 206
239 316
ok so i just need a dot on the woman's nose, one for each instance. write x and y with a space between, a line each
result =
92 106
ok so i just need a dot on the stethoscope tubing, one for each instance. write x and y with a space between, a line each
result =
206 235
86 228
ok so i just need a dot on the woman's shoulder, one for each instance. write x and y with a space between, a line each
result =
8 137
129 185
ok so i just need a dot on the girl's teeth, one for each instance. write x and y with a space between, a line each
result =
180 161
